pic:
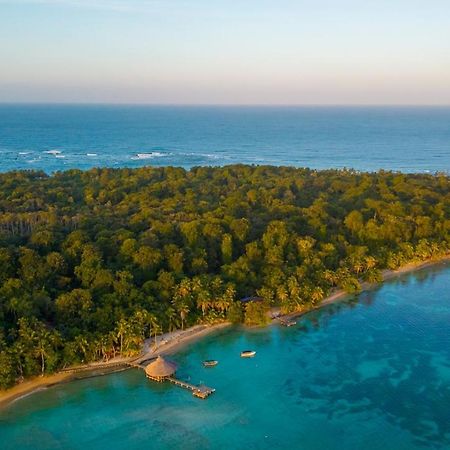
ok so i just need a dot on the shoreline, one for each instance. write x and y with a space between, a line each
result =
172 342
387 274
167 343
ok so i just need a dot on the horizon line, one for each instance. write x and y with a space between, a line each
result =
231 105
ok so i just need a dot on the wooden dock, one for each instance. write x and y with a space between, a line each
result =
136 365
201 391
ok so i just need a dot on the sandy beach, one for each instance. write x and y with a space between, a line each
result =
167 343
339 294
172 342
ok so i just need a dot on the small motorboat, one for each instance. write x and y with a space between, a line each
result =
288 323
210 363
248 354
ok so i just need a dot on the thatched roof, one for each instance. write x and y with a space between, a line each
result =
161 367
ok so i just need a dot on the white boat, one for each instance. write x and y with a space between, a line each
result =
210 363
248 354
288 323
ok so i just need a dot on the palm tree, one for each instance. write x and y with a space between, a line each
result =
184 289
358 266
196 285
112 337
204 301
222 304
156 328
371 262
19 351
82 345
317 295
103 344
227 298
122 330
183 309
295 301
330 277
141 320
282 294
44 342
42 346
182 298
171 315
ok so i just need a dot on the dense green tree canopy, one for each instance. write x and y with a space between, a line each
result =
92 263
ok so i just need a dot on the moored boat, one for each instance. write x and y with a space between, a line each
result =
288 323
248 353
210 363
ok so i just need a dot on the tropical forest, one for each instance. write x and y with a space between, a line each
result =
94 262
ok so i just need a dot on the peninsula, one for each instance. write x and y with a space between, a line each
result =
94 264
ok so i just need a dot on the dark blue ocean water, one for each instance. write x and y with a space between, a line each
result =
371 373
52 138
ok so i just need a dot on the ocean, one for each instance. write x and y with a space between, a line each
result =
60 137
371 373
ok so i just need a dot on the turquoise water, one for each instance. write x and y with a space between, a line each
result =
59 137
370 373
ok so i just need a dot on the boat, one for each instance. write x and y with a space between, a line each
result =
288 323
210 363
248 354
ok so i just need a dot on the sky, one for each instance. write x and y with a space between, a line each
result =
283 52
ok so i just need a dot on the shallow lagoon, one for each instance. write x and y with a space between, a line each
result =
372 372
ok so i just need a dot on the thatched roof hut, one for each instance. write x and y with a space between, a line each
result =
160 369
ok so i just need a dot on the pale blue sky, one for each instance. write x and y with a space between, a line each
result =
225 51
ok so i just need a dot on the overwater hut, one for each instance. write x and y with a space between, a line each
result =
160 369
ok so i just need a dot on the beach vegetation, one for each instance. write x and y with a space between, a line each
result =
94 262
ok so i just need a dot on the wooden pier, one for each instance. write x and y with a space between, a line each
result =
136 365
201 391
161 370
